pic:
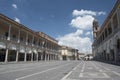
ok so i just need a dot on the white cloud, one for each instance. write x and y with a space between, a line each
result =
92 33
83 12
82 22
14 6
17 19
74 40
101 13
88 33
87 12
77 33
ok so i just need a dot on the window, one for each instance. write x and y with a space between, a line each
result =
96 28
34 42
118 43
103 36
109 29
28 41
6 34
14 36
106 32
115 21
21 38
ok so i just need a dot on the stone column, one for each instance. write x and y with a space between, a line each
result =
6 56
118 18
25 57
32 56
27 39
41 56
9 32
48 57
116 53
53 57
112 25
19 36
17 56
106 56
33 41
45 57
37 56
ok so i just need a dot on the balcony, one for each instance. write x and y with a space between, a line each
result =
22 42
29 43
3 37
13 39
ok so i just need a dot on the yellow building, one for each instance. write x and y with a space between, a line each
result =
106 45
19 43
81 56
68 53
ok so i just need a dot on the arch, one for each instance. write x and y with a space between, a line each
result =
22 49
12 52
13 47
29 54
116 38
110 44
34 50
2 51
34 54
104 46
118 47
28 50
108 47
39 50
118 44
2 45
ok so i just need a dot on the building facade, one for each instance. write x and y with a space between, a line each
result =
88 57
81 56
68 53
106 45
19 43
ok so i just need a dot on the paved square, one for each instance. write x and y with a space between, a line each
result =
93 75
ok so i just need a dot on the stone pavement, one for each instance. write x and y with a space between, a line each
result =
91 70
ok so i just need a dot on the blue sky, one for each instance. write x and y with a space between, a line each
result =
68 21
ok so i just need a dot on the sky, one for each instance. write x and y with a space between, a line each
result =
68 21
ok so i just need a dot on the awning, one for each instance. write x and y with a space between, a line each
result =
2 45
